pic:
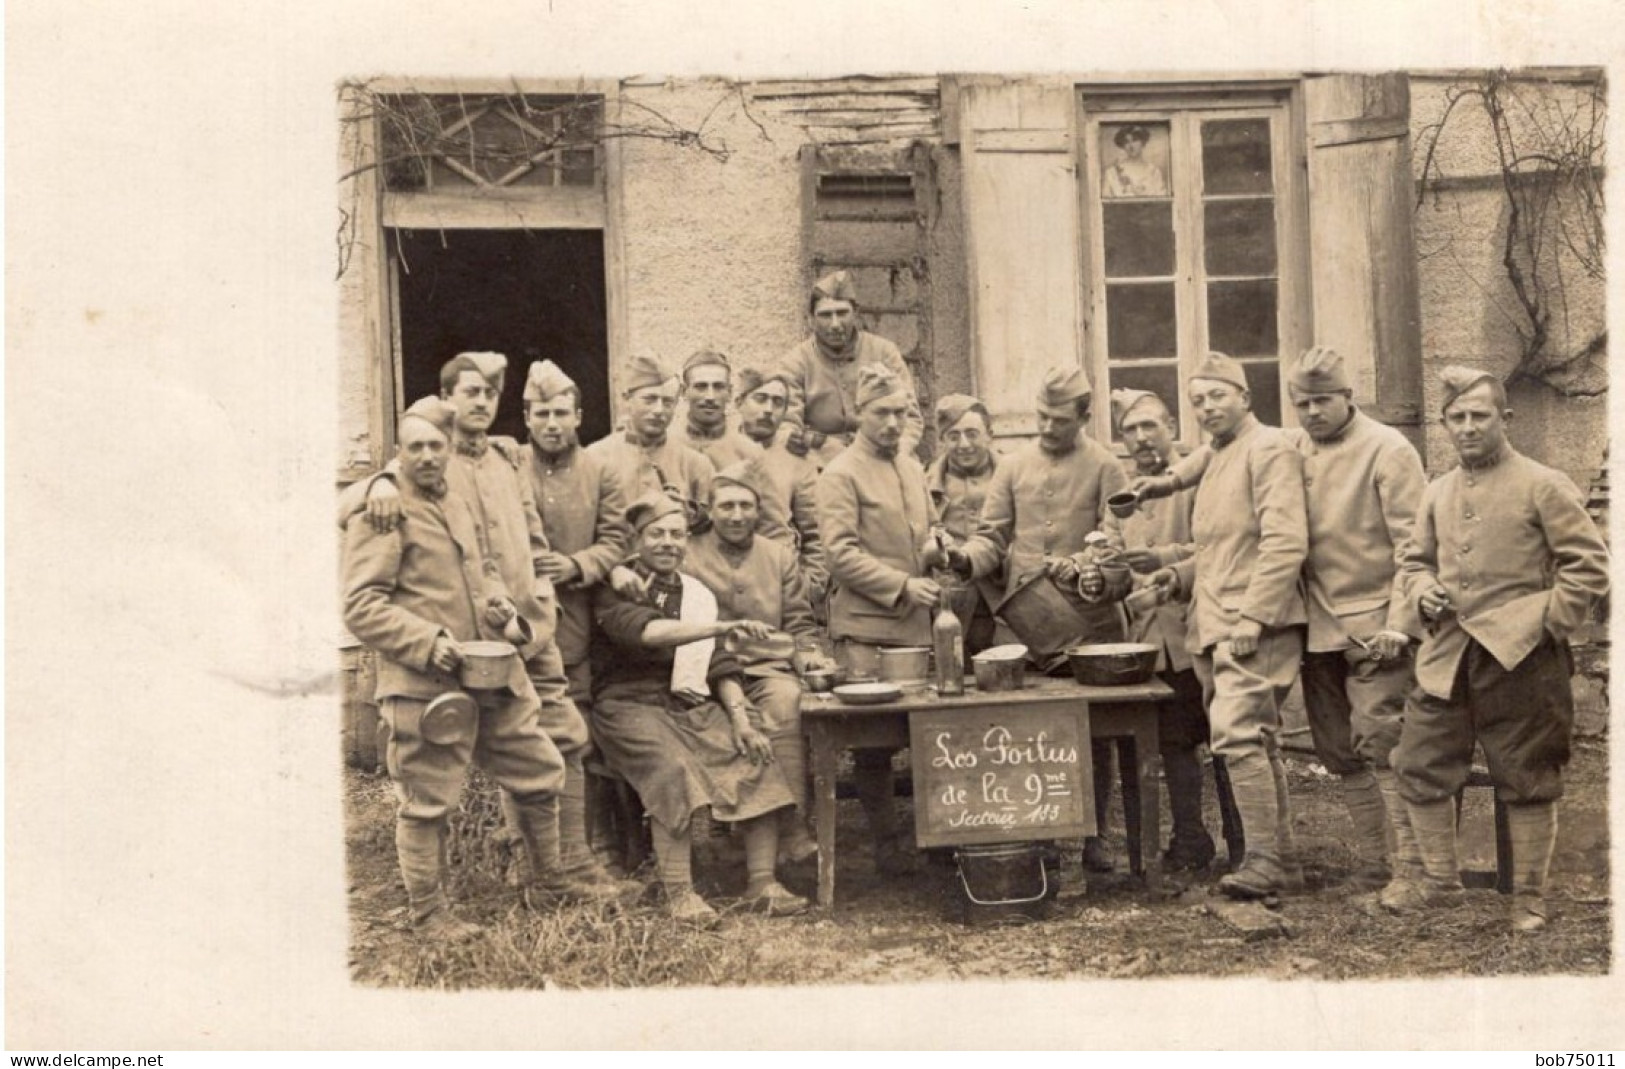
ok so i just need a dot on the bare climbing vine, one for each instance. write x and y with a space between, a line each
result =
419 130
1550 150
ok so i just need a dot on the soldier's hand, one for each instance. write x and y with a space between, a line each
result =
1166 580
752 629
628 584
499 609
383 505
446 655
1143 561
559 568
753 745
1091 584
1388 645
922 592
1062 570
1150 487
795 440
959 562
1434 603
1244 637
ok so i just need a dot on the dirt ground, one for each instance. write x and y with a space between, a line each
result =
878 932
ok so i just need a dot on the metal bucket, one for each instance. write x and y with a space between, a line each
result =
1003 881
487 665
1048 618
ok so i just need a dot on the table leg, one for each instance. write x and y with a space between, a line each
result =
821 749
1128 770
1148 773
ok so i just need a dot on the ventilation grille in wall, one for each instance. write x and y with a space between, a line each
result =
864 196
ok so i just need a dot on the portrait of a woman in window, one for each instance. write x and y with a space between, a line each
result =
1132 174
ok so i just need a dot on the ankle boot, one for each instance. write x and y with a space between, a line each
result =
1369 815
1533 829
418 851
1253 783
1434 825
1190 847
549 884
796 844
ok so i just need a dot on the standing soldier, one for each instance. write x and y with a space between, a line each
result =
1042 502
415 594
1247 612
792 481
707 384
485 471
644 458
755 578
876 518
1363 482
1503 565
823 375
958 480
1158 535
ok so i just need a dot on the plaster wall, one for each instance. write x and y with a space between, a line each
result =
1470 314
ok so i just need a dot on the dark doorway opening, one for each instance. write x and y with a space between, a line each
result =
529 294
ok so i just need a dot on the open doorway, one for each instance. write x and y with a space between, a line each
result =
529 294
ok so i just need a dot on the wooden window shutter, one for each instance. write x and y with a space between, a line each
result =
1021 222
1363 249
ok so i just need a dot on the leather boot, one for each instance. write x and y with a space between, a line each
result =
1369 815
1190 846
575 856
549 884
875 793
1434 826
1533 829
1229 816
1253 782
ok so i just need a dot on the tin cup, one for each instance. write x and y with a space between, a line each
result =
1123 504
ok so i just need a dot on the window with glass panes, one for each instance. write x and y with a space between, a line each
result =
1189 232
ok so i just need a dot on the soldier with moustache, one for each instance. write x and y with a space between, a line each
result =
1503 565
791 481
644 458
958 479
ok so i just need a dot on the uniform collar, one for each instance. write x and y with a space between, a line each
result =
951 468
874 450
1244 428
1494 460
701 434
839 356
472 445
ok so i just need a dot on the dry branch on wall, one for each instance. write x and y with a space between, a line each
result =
1550 157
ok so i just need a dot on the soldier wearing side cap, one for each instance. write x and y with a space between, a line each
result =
792 481
821 417
755 578
644 457
485 470
1043 501
876 517
1503 564
1158 535
1247 611
416 593
1363 483
958 479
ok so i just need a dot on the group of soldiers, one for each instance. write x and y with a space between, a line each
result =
666 586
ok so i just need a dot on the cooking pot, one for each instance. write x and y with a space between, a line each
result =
1048 618
1112 664
487 665
905 664
1000 668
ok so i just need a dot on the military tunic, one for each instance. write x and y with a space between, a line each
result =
823 391
641 470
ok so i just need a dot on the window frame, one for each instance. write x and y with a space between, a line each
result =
1182 108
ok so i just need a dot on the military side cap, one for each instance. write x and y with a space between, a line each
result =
432 410
874 382
704 357
1064 384
1126 401
952 408
747 473
546 381
651 507
1217 367
1320 370
1458 379
835 286
645 371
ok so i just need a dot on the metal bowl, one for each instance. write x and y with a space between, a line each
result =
487 665
868 693
905 664
1112 664
823 680
1000 668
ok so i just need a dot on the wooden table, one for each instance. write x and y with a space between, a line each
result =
1127 715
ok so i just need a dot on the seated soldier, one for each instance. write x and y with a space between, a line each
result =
671 716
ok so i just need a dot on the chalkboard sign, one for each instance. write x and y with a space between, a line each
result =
1000 775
